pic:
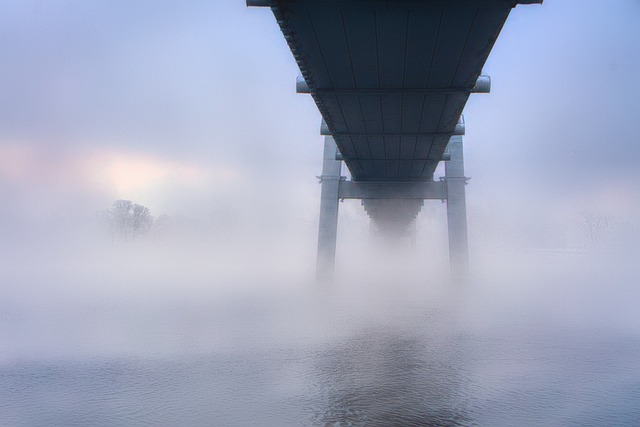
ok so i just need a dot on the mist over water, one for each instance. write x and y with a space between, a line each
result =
212 316
141 333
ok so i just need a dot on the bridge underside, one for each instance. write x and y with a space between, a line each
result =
391 78
393 217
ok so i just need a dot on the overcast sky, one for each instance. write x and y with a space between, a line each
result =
188 106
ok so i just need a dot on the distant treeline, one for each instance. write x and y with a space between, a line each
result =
127 221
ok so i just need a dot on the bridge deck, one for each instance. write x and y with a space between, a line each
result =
391 77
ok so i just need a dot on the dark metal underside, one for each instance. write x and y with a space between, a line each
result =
393 217
391 77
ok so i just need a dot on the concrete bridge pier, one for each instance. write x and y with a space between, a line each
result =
457 212
328 227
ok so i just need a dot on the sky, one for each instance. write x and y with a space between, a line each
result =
189 108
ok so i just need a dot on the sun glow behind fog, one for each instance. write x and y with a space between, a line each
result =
113 173
140 175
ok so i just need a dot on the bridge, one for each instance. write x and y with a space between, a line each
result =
391 79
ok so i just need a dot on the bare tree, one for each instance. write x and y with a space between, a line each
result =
142 220
128 220
595 225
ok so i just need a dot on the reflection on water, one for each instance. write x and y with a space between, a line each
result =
385 378
349 360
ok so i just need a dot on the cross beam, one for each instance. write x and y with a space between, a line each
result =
392 190
482 85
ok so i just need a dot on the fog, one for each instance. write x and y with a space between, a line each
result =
189 109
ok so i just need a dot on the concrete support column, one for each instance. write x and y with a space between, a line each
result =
457 212
328 227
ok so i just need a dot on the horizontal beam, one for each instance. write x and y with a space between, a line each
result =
259 3
392 190
457 131
483 85
339 156
268 3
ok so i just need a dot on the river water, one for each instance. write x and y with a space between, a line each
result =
380 353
